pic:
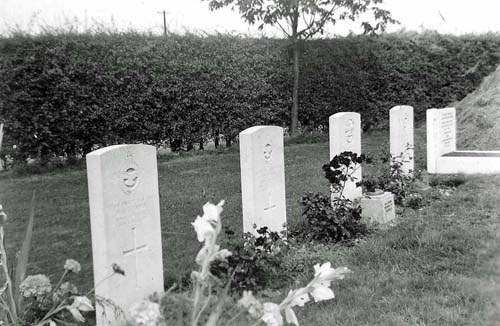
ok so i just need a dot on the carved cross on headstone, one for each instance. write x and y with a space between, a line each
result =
134 251
270 204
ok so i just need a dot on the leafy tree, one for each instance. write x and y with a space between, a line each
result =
302 19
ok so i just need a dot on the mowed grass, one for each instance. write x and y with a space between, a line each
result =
437 266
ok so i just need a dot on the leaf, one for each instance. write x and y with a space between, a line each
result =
22 260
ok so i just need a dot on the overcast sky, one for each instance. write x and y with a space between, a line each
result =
446 16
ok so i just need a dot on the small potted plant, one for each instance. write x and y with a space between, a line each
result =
370 185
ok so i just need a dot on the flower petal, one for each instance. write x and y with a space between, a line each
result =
272 315
322 293
202 228
222 254
76 314
82 303
212 212
301 300
291 318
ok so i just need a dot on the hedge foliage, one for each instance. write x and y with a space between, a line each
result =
67 94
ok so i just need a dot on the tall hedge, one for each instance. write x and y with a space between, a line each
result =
67 94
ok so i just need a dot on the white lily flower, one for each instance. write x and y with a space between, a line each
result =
300 300
222 254
253 306
322 292
290 316
212 212
203 229
272 315
295 298
327 274
82 303
76 314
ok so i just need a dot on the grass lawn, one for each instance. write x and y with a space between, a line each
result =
437 266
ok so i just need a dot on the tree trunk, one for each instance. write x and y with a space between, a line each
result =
295 97
216 140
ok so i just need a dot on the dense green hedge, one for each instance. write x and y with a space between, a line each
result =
67 94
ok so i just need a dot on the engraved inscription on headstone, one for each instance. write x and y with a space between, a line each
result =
447 128
125 226
262 178
268 149
388 206
349 130
134 251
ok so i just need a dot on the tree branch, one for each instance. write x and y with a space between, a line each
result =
325 16
283 30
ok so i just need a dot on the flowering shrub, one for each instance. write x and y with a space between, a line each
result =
333 219
394 179
210 302
35 301
255 261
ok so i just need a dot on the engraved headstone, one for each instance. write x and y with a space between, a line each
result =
125 227
1 139
1 135
441 135
262 178
401 137
345 135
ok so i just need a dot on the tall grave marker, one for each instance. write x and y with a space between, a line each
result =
1 135
401 137
262 178
125 225
1 139
345 135
441 135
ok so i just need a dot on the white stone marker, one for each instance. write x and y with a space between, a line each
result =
401 137
262 164
1 135
441 135
442 153
125 225
345 135
378 208
1 139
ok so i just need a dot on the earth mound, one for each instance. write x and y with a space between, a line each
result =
478 116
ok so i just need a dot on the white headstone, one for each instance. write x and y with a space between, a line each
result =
345 135
1 135
1 139
441 135
401 136
262 178
125 225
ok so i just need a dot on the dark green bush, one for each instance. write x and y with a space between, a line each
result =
255 261
337 219
323 222
66 94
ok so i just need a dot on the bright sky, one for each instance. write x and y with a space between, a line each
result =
445 16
